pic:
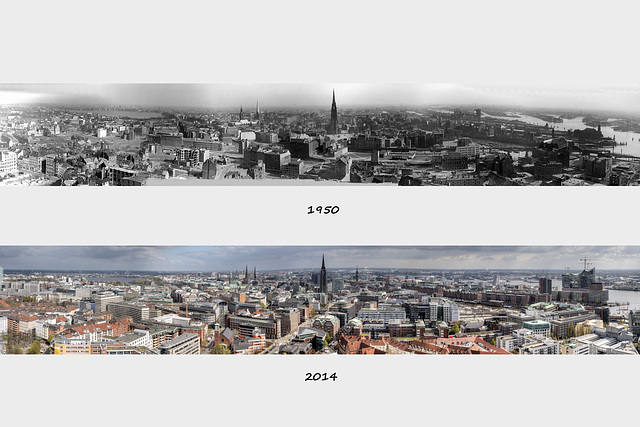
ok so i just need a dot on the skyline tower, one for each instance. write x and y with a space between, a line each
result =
246 275
323 277
545 286
240 113
333 124
257 110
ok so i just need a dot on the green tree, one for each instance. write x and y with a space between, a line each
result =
35 348
327 340
454 330
571 330
264 307
220 349
493 342
15 350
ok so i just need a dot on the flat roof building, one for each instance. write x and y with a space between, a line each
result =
184 344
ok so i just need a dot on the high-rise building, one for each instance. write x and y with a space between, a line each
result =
337 283
103 299
586 278
322 281
545 286
570 280
333 124
137 311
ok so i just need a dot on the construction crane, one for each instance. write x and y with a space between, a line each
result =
586 261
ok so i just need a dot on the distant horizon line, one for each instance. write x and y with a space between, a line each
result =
264 109
130 272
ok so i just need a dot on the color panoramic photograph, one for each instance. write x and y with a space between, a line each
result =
319 300
318 134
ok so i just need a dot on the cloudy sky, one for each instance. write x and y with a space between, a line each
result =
224 258
624 98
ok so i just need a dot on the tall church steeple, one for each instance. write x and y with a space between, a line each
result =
333 124
323 277
257 111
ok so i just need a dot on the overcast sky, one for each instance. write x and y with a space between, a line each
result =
224 258
617 98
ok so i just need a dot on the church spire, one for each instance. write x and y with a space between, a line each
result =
333 124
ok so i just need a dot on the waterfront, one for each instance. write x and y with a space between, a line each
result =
630 138
633 298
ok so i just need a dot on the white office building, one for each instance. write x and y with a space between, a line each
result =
138 338
541 346
385 315
8 162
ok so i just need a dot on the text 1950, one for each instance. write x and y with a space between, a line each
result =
325 210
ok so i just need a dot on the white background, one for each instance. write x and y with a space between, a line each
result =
492 42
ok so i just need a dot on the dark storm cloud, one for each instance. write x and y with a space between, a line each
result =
81 257
221 258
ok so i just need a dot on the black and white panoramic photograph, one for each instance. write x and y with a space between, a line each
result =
319 134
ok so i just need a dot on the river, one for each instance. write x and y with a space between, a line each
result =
631 138
625 296
633 298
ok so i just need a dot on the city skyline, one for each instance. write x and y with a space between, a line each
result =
222 258
401 134
621 98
